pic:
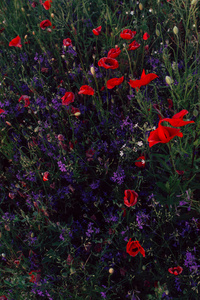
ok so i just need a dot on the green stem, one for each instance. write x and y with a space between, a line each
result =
172 160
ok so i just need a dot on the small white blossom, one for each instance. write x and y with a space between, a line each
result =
140 143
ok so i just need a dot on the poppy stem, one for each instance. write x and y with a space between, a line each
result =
172 160
129 61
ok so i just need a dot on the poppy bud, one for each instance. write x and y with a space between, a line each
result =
111 271
194 2
140 6
52 15
168 80
157 32
92 70
175 30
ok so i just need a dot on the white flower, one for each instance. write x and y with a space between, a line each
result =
140 143
121 153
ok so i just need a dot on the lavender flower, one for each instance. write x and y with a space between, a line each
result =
118 176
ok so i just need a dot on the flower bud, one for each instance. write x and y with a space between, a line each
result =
140 6
194 2
111 271
52 15
157 32
169 80
175 30
92 70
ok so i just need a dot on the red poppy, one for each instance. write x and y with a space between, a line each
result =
140 163
134 247
114 52
170 103
90 154
127 34
1 111
70 259
146 36
45 24
163 135
108 63
130 198
176 270
68 98
45 176
177 119
145 79
26 99
47 4
146 48
97 30
75 111
180 172
113 82
16 42
34 278
67 42
133 46
86 90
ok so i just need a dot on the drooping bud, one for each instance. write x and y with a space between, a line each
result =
169 80
157 32
140 6
92 70
175 30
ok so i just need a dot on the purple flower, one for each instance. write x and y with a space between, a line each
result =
118 176
61 166
103 295
95 185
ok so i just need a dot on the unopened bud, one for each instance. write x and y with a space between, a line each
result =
140 6
77 114
111 271
157 32
52 15
33 32
175 30
92 70
25 37
168 80
22 9
194 2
